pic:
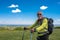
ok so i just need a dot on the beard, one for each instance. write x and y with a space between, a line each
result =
40 17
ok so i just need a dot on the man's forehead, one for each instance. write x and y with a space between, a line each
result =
39 13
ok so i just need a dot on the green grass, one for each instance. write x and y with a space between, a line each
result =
17 35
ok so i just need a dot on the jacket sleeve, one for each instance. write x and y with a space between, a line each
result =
33 25
44 24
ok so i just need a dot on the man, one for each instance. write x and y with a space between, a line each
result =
41 27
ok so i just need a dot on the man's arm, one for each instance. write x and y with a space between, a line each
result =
44 24
33 25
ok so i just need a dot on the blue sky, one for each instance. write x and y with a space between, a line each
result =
24 11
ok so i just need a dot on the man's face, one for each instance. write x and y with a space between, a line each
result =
40 16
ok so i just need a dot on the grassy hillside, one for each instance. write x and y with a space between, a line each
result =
17 35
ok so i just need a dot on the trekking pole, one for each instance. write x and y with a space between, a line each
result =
23 33
30 35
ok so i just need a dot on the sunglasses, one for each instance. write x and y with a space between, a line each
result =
39 14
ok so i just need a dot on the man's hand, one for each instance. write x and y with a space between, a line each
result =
33 30
25 28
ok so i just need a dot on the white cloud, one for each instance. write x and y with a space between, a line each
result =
16 11
43 7
13 6
57 21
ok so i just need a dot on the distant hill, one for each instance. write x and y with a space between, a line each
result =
10 25
24 25
56 25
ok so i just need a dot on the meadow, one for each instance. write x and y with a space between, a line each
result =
17 35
